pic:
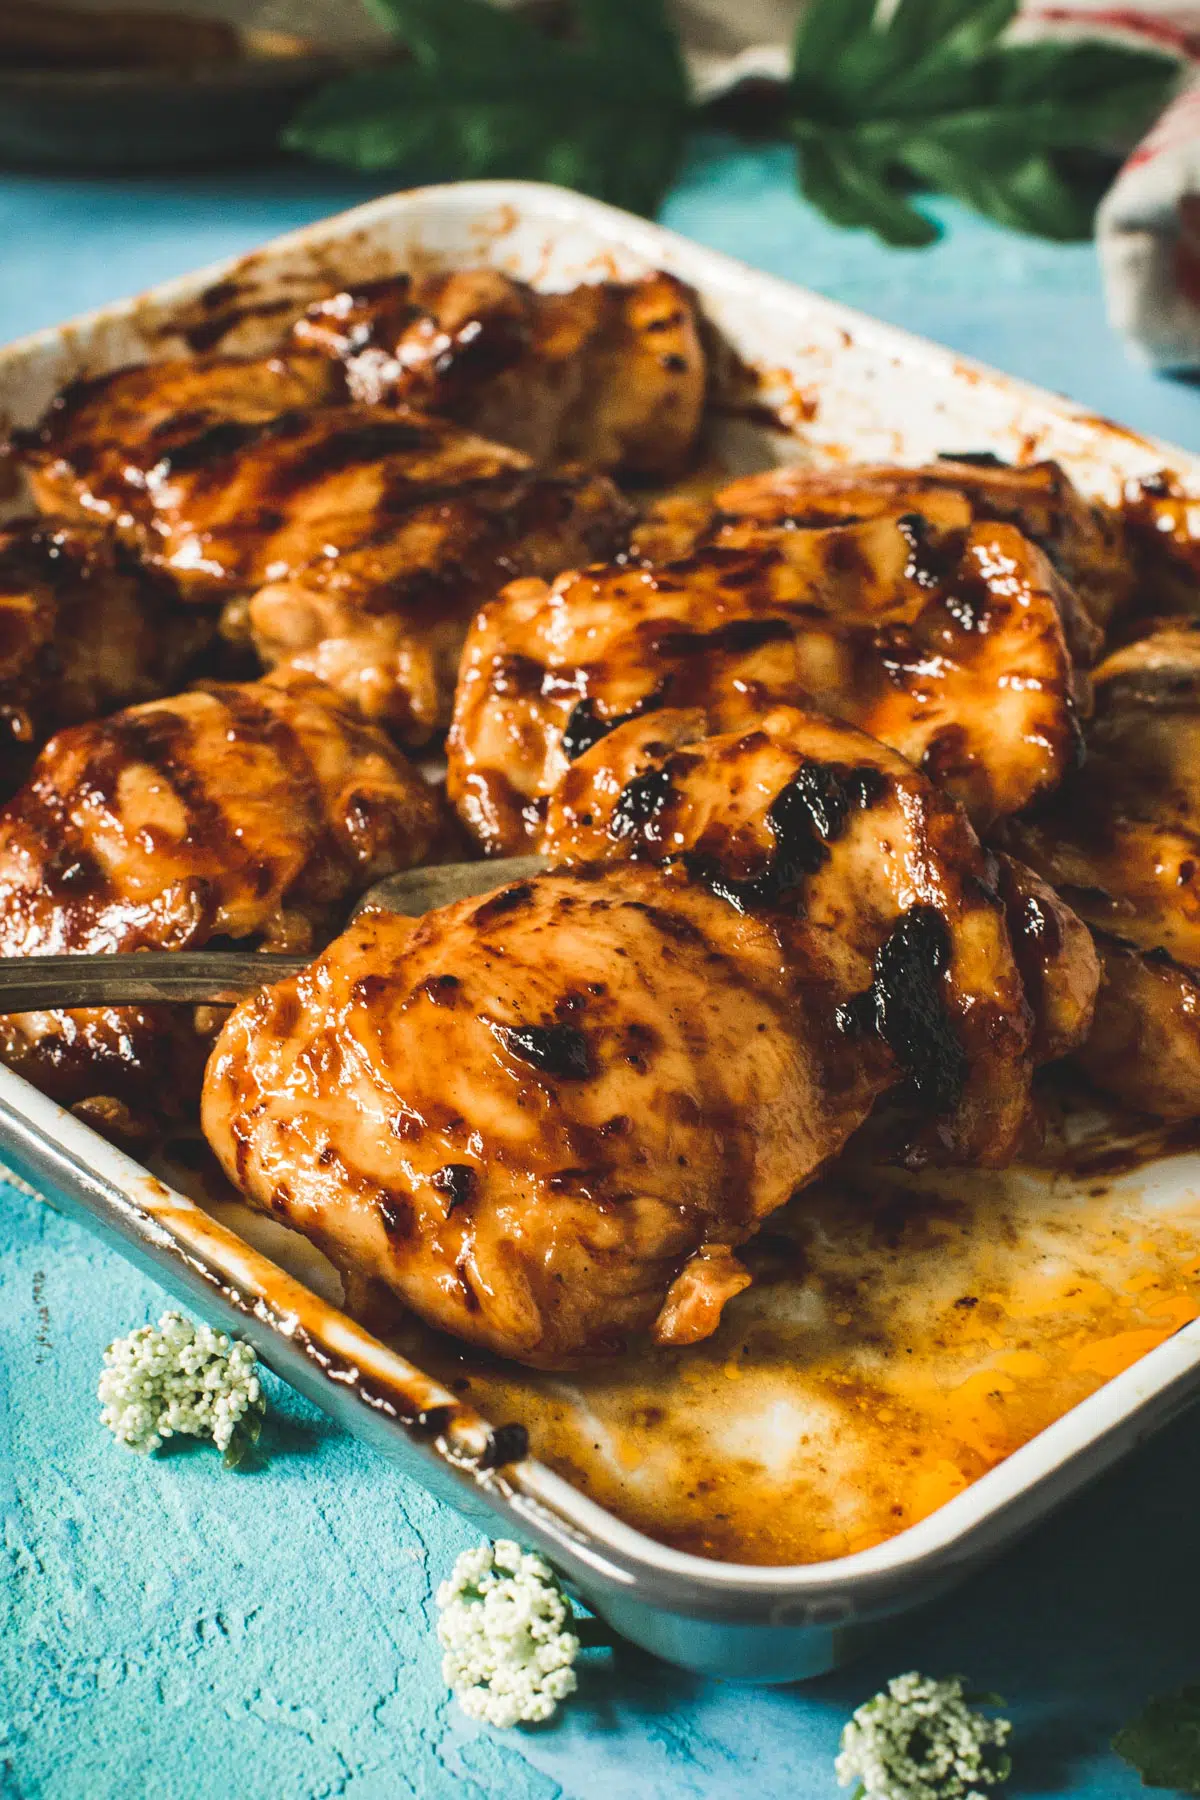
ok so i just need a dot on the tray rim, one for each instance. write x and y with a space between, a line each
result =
131 1206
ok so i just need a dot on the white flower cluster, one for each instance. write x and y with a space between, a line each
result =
920 1740
178 1378
503 1626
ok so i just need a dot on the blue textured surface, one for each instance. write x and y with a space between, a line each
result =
176 1631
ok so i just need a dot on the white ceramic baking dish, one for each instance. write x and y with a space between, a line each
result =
846 388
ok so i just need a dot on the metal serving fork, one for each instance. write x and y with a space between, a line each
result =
108 978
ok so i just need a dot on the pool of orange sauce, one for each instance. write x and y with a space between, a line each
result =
904 1333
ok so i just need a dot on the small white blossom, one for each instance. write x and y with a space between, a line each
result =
920 1740
503 1626
178 1378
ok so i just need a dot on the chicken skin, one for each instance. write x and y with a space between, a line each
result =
239 811
609 376
253 812
383 621
1084 540
942 638
1121 843
1056 955
1144 1045
862 864
1121 839
545 1119
83 629
88 455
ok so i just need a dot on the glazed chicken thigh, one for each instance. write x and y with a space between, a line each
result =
543 1119
942 638
88 455
83 629
608 375
254 812
862 864
354 543
1121 843
1084 540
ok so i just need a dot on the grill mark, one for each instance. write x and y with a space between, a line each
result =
905 1006
640 803
976 459
259 721
558 1050
928 563
586 727
806 817
735 638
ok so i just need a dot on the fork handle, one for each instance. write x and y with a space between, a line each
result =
106 978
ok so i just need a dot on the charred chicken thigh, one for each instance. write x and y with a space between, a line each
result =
608 375
83 629
1084 540
89 454
542 1120
546 1119
1121 843
250 812
940 637
365 538
862 864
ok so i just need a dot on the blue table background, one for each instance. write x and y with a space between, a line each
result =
173 1630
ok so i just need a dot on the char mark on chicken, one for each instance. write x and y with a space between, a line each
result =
88 455
543 1120
941 637
253 812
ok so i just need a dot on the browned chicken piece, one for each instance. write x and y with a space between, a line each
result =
611 376
241 811
1056 955
1121 839
132 1072
250 812
1144 1046
543 1120
90 454
1162 525
863 866
1084 540
942 638
383 621
83 629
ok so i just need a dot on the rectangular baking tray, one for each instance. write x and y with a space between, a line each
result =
799 377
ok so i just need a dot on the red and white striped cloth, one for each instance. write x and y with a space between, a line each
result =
1148 226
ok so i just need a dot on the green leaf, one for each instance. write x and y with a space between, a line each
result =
1025 192
484 93
931 92
854 194
1163 1744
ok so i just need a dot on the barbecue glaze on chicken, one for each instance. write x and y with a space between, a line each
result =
1084 540
607 375
942 638
90 454
254 812
383 619
83 629
862 865
543 1120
